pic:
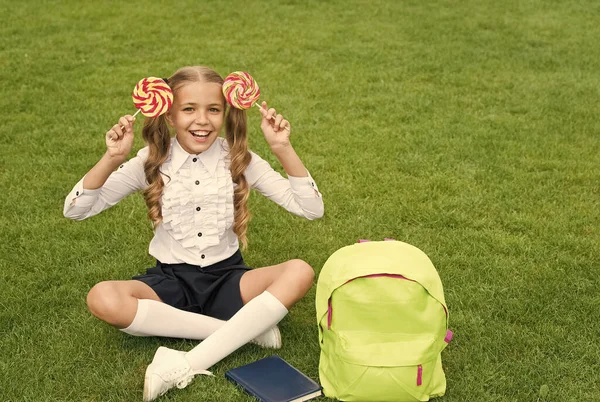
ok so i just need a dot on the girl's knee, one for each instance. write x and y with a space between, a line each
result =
303 273
103 300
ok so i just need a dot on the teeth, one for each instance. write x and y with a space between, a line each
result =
200 133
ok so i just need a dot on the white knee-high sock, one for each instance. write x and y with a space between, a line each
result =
154 318
258 315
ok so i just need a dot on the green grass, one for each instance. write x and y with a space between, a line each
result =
468 129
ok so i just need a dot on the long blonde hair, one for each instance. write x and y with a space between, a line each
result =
157 135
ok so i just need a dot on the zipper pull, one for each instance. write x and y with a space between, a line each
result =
419 375
329 313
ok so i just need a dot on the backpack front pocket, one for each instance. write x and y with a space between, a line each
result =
398 367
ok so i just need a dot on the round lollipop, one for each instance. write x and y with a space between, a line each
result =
240 90
152 96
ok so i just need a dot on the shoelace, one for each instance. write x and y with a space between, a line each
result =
185 381
188 378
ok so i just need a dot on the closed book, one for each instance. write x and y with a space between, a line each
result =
272 379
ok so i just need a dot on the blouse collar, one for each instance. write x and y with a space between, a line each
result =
209 158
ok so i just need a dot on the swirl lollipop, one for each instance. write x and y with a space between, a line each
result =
152 96
241 91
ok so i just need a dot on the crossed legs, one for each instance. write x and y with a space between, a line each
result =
267 294
136 309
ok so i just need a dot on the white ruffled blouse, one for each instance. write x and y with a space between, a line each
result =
197 201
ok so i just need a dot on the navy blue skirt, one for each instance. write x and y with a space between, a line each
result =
213 290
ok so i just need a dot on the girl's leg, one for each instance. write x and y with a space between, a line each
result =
288 282
136 309
116 302
267 293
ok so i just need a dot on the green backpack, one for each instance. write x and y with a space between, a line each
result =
383 324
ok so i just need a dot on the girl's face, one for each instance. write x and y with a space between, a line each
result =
197 115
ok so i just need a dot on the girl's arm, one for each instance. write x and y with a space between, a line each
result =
298 193
119 141
277 132
102 187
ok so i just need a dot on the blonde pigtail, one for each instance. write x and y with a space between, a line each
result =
237 138
156 135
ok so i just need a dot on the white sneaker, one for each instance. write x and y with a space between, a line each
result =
169 368
271 338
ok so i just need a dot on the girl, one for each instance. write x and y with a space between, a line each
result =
196 187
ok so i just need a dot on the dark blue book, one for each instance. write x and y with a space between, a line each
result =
274 380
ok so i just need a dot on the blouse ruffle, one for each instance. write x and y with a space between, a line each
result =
181 196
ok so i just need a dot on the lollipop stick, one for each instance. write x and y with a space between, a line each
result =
272 117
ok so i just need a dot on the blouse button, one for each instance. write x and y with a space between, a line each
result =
195 159
197 182
202 256
200 234
198 208
121 167
77 193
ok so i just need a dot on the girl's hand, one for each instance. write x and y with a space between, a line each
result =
275 128
119 139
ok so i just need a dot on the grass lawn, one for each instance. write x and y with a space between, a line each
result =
468 128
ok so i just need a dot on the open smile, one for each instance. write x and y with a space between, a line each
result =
200 133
